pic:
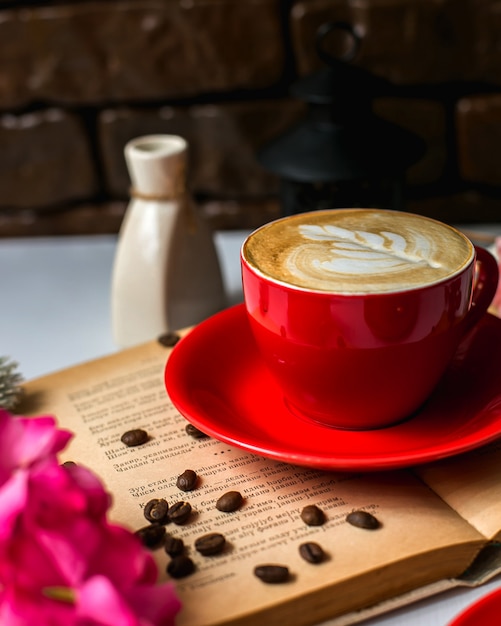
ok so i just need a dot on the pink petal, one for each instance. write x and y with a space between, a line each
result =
27 440
18 608
158 604
99 603
13 499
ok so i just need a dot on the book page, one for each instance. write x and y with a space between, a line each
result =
420 540
471 485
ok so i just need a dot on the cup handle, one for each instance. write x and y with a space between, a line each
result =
484 288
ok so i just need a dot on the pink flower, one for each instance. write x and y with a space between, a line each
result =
496 302
26 441
118 589
61 561
24 445
99 603
96 603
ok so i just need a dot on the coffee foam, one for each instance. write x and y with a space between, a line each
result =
357 251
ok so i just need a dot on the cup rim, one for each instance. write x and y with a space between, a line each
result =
350 294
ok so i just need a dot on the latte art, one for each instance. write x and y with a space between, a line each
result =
358 250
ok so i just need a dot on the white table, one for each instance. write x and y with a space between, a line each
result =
55 298
55 312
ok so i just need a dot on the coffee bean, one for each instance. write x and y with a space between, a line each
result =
174 546
134 437
168 339
312 515
151 536
180 512
157 510
68 464
212 543
363 519
194 432
312 552
229 501
187 480
180 566
272 573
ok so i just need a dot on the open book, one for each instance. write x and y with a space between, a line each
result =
439 523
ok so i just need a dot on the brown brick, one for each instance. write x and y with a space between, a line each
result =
228 140
479 138
241 214
426 119
405 41
135 51
106 218
224 140
45 160
458 208
96 219
15 61
487 26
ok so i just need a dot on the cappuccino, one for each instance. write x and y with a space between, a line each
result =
358 251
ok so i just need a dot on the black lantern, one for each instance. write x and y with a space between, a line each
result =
341 154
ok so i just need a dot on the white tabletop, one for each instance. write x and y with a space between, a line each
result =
55 312
55 298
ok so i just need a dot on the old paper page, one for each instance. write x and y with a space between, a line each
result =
421 539
471 484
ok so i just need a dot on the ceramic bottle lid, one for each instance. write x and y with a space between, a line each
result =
157 166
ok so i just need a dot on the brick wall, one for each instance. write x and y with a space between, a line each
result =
79 78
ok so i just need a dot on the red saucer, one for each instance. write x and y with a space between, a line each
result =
217 381
483 612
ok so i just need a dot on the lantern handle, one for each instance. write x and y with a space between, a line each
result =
324 30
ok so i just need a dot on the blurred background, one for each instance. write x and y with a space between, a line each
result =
79 78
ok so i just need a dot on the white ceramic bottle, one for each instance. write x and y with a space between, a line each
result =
166 272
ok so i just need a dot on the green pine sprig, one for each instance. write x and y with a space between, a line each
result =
10 384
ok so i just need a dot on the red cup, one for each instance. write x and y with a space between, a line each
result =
363 360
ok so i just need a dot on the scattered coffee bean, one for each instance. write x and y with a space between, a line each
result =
194 432
229 501
174 546
212 543
134 437
180 512
187 480
312 552
151 536
312 515
363 519
272 573
157 510
68 464
180 566
168 339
